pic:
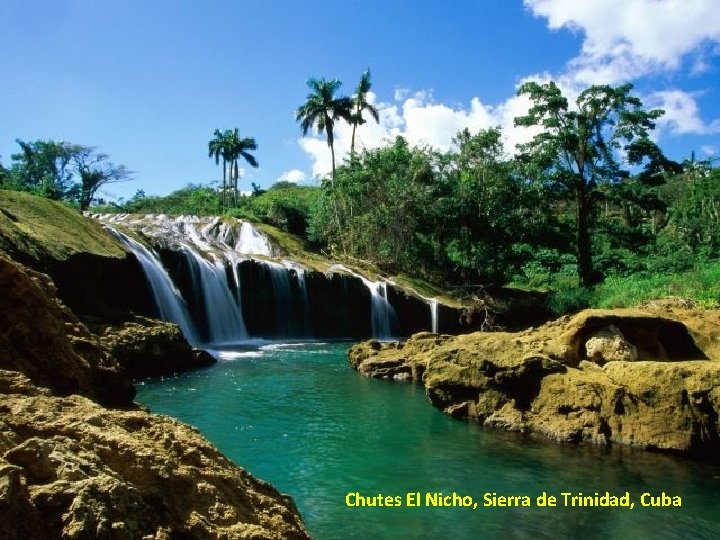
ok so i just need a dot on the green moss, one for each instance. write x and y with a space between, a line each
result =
37 228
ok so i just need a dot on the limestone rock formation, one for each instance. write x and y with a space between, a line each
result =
542 381
43 339
609 345
72 469
149 347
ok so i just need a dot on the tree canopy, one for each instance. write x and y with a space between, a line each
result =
595 142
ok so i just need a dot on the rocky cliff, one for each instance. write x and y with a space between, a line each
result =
72 468
94 275
640 378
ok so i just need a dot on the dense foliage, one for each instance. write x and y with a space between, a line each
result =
61 171
591 198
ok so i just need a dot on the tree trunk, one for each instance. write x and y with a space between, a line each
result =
235 183
584 248
335 203
222 193
332 155
352 142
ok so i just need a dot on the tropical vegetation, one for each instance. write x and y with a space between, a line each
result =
590 209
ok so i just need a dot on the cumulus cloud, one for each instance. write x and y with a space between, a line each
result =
682 114
294 176
422 122
625 39
622 40
708 150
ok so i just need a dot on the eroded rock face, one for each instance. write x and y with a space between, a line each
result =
70 468
44 340
149 347
609 345
542 381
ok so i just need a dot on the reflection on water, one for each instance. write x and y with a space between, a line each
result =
296 415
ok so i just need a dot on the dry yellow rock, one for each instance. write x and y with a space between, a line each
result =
542 381
70 468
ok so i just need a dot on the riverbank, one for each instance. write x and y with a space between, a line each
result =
80 459
648 379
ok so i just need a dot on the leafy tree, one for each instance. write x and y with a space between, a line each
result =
581 148
229 146
322 108
361 104
193 199
45 167
61 170
95 171
693 200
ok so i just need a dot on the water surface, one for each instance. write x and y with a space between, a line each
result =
299 417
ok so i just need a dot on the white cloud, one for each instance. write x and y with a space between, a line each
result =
624 39
682 114
294 176
422 121
709 150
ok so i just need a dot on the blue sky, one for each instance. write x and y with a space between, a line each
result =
149 81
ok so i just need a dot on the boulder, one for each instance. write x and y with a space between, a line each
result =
609 345
149 348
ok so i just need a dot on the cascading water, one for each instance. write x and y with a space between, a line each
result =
229 283
381 311
282 298
434 315
224 315
169 301
251 242
304 298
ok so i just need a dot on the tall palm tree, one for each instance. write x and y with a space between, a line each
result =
218 148
361 104
322 108
239 147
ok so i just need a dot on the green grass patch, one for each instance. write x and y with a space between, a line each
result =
701 284
40 228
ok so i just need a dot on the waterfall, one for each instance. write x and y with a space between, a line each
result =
434 315
282 297
224 314
168 299
223 280
381 311
251 242
304 300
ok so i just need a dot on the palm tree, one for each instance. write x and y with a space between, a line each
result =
239 147
218 148
322 108
361 104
